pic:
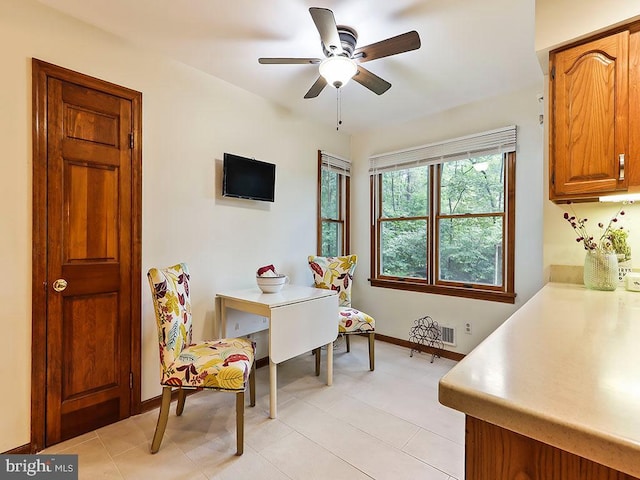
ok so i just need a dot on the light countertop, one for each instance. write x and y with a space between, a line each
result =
565 370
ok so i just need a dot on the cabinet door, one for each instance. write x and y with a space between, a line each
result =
590 117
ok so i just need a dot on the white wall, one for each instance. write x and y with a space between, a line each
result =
394 310
189 120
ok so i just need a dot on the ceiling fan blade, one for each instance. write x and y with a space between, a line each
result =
288 61
371 81
391 46
326 25
316 88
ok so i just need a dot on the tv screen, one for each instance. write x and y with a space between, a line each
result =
248 178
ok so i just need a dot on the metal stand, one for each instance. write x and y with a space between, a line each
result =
426 332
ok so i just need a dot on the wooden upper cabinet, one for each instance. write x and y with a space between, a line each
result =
589 129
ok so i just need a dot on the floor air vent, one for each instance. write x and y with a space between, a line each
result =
448 335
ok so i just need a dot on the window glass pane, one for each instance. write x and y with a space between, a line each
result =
404 248
471 250
405 193
474 185
331 239
330 195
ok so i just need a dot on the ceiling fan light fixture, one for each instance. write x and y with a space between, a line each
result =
338 70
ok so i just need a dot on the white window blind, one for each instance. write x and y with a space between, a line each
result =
336 164
501 140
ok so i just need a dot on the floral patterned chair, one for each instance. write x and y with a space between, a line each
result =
336 273
226 364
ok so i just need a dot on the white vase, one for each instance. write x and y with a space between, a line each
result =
600 270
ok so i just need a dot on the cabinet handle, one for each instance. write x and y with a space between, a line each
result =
621 161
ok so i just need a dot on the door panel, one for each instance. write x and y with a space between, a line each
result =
91 224
90 332
104 128
587 79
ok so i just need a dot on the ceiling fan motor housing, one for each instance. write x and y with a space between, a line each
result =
348 39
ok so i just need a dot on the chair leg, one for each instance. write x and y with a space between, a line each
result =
317 353
372 336
239 423
346 338
182 397
163 416
252 385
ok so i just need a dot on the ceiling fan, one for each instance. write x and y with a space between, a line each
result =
342 58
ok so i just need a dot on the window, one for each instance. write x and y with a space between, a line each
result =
333 205
444 217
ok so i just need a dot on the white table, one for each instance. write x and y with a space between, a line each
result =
300 319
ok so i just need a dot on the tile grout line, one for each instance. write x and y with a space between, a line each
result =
110 456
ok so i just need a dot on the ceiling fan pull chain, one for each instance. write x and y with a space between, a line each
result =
338 109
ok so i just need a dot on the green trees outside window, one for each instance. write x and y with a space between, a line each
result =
331 225
404 223
470 221
447 226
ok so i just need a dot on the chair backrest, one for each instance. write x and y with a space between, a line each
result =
170 292
334 273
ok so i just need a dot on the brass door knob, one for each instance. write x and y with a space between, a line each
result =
60 284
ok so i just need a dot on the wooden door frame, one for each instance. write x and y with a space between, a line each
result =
41 72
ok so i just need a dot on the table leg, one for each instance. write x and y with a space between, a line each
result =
329 363
221 318
273 387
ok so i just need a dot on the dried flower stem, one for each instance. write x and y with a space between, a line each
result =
579 226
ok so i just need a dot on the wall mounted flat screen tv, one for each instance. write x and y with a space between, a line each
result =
248 178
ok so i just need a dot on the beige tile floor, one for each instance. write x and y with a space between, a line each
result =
385 424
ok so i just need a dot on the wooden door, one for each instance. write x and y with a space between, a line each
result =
590 117
92 229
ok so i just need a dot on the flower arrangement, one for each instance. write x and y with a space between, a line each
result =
611 240
601 267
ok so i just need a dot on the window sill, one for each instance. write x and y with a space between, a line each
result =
475 293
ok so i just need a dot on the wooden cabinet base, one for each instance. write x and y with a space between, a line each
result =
494 453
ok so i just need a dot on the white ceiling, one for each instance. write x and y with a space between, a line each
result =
471 49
